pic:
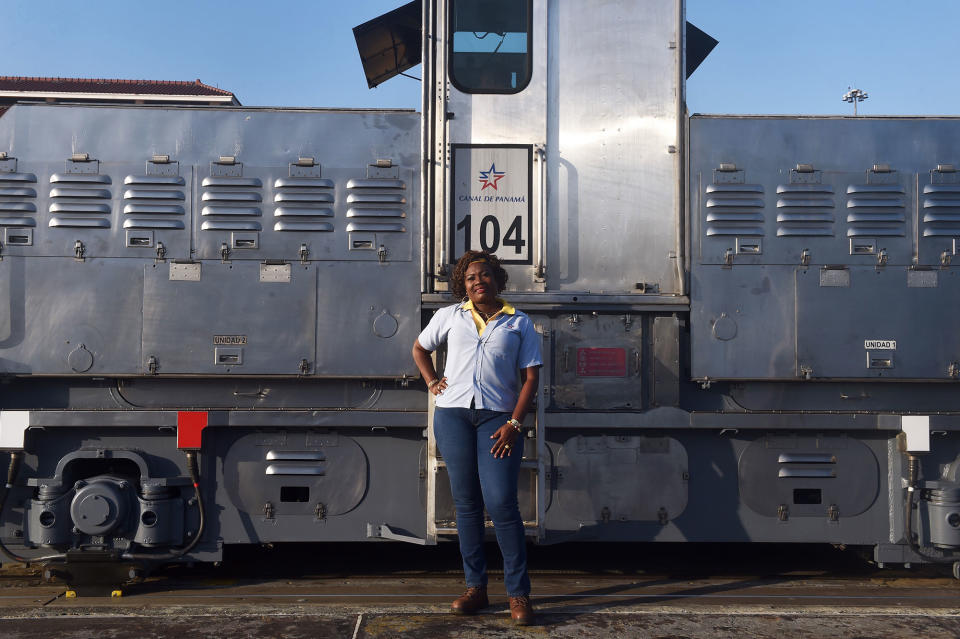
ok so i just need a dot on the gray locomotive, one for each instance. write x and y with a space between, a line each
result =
745 320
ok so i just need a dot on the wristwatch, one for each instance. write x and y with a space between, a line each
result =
516 425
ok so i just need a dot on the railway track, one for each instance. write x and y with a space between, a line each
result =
398 591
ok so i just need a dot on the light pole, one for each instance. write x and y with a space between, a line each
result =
854 95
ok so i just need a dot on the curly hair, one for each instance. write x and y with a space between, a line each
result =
457 286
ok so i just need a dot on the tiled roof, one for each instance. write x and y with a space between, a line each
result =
102 85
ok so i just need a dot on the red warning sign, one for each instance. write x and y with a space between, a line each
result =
601 362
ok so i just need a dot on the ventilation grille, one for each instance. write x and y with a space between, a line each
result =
16 195
734 209
876 210
941 210
231 203
80 200
304 204
805 210
153 202
376 204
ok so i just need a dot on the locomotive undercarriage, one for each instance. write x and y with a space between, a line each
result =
715 465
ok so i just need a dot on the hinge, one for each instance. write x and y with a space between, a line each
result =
662 516
728 258
320 511
833 513
161 251
304 253
783 513
945 258
224 252
304 366
605 515
79 250
805 257
268 510
382 254
153 365
953 370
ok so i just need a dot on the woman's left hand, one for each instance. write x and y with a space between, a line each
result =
506 435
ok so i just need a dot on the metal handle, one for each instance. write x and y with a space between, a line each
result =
540 271
808 473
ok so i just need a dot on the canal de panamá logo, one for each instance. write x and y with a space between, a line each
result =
491 177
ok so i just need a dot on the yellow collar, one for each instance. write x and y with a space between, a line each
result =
478 321
507 309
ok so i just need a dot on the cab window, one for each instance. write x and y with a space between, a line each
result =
491 45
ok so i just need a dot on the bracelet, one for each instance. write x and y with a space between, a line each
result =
433 383
516 425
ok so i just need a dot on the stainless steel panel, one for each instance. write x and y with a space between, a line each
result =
276 319
54 306
598 361
851 483
742 323
313 212
610 133
864 216
622 478
834 326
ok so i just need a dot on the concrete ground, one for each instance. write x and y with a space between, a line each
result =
366 591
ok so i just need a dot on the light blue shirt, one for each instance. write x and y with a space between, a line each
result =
484 369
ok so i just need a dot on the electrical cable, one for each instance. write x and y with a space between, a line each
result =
180 552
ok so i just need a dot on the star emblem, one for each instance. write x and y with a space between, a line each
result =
491 177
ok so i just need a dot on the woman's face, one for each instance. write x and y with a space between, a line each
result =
480 283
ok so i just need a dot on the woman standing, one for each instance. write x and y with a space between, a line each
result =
492 350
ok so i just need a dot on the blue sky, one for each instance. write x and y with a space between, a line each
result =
774 56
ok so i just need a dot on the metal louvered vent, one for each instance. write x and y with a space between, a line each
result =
80 197
16 195
231 203
734 209
153 202
376 204
876 210
304 204
941 210
805 210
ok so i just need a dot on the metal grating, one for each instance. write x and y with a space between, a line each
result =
734 209
376 205
304 204
805 210
154 202
876 210
80 200
16 194
941 210
229 202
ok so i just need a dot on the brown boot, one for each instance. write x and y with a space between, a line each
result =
521 611
474 599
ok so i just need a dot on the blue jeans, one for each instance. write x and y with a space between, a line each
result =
479 479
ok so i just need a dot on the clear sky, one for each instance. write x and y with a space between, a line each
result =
774 56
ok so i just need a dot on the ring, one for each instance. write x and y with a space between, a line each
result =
506 446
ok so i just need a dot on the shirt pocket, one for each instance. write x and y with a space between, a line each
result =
504 342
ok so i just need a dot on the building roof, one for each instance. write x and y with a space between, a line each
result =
113 89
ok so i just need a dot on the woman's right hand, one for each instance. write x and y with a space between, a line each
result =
439 387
